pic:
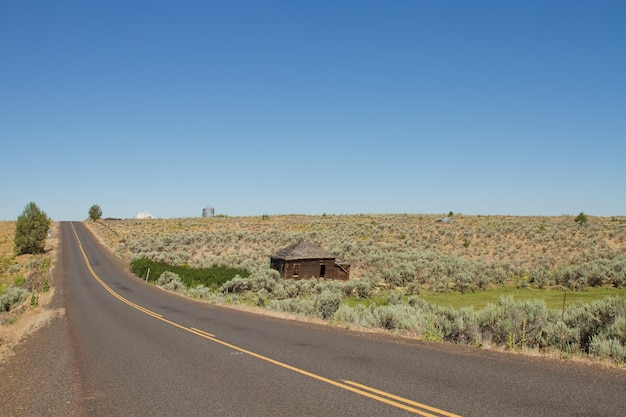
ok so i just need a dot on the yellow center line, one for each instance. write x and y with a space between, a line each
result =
381 396
395 397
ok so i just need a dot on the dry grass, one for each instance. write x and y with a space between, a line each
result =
24 320
8 257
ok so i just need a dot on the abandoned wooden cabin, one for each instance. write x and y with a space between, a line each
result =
305 260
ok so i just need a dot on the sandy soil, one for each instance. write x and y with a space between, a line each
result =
24 320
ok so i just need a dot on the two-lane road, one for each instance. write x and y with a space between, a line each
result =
137 350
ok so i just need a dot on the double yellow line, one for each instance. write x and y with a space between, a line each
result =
381 396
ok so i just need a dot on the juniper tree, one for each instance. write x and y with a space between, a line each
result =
31 230
95 212
581 218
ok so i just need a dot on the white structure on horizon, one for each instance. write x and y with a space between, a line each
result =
208 211
144 215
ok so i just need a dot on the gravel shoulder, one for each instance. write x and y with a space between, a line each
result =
37 377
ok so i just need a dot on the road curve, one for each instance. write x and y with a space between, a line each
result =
139 351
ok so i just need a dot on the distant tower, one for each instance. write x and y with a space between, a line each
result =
208 211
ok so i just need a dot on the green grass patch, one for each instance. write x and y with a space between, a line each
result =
19 280
191 277
553 297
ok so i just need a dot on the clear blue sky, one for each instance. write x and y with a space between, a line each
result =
337 107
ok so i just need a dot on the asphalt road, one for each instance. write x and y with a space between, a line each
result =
131 349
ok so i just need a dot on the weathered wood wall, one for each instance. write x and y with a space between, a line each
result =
307 268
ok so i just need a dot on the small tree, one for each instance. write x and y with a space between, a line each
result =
581 219
95 212
31 230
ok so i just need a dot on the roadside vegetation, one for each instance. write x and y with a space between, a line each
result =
24 263
189 277
533 284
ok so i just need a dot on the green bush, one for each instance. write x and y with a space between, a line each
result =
581 218
190 277
95 212
31 230
34 300
19 280
45 264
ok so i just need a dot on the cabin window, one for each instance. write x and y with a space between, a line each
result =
322 270
296 270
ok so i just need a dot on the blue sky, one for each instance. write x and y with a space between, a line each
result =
311 107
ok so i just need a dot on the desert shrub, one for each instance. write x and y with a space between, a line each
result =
261 297
301 287
200 291
280 293
440 284
569 276
463 281
540 278
287 305
303 306
431 329
617 272
617 329
457 325
394 297
564 337
327 303
400 274
348 315
237 285
266 279
486 277
611 348
348 288
618 280
170 281
364 288
32 264
394 317
595 318
11 297
232 299
387 317
594 273
413 288
525 323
